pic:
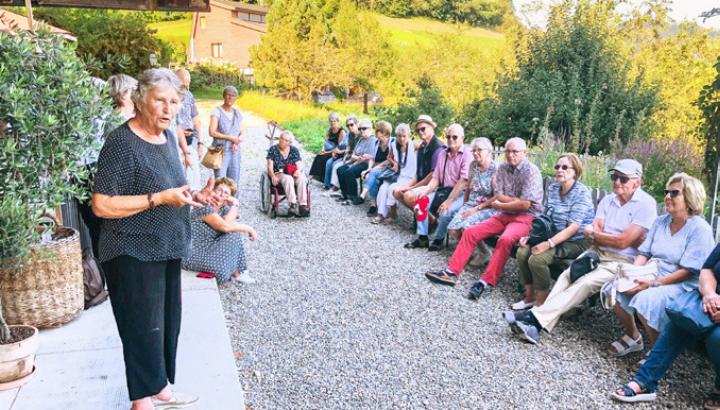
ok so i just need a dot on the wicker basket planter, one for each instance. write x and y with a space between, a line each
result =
17 357
47 291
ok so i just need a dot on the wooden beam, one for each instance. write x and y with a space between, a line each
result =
159 5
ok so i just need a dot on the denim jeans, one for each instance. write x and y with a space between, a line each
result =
443 220
672 341
328 170
372 183
347 175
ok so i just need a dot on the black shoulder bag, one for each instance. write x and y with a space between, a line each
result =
442 193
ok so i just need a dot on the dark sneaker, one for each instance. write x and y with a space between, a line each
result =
527 332
435 245
304 211
417 243
442 277
372 211
510 317
341 198
357 201
476 290
293 211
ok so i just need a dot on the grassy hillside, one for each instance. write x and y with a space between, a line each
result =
176 32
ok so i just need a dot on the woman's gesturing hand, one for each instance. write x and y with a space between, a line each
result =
177 197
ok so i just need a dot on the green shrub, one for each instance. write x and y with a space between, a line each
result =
206 75
48 105
310 132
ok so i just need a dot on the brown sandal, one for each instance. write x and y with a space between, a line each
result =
713 401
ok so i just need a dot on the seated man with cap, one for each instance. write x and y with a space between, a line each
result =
621 222
427 155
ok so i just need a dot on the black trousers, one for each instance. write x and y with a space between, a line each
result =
93 224
347 176
146 302
317 169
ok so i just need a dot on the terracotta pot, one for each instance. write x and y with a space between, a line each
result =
17 360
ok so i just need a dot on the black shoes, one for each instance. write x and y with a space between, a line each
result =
372 211
476 290
435 245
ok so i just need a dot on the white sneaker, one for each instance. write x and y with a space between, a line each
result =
245 278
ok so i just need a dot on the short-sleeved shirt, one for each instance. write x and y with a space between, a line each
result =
576 207
688 248
279 161
523 181
366 146
188 111
451 168
129 165
713 263
640 210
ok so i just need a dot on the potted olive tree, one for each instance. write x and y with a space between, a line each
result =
49 109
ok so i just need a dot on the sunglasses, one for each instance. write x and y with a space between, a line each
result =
420 129
452 137
563 167
623 179
673 192
350 124
363 128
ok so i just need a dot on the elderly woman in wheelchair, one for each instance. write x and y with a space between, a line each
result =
285 170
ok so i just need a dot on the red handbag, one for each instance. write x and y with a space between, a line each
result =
290 169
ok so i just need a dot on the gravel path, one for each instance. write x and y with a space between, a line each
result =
342 317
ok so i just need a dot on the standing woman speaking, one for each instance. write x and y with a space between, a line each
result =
142 195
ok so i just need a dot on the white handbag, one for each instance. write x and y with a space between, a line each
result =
626 275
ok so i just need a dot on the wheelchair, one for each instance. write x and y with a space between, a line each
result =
272 195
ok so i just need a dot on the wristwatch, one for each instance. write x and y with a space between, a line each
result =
552 244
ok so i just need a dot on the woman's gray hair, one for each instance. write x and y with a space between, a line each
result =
152 78
403 128
121 84
517 141
334 117
482 143
230 89
289 134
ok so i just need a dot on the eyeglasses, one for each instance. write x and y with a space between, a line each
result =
513 151
478 150
673 192
420 129
363 128
452 137
563 167
623 178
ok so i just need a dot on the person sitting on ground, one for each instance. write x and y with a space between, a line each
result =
678 242
363 153
427 157
403 160
674 340
621 221
334 141
518 199
217 246
448 183
353 135
570 207
121 89
377 165
284 167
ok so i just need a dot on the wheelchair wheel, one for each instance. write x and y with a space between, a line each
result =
266 195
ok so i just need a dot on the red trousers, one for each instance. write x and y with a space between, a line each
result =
510 227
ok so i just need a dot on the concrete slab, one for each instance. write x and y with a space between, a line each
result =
80 365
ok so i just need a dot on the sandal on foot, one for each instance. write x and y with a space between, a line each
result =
626 345
712 402
630 396
417 243
178 401
377 220
388 221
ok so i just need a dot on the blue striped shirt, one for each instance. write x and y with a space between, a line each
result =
577 207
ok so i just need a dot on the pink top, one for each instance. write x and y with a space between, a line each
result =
458 166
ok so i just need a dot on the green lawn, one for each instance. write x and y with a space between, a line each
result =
176 32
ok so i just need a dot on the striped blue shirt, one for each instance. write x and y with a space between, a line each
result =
577 207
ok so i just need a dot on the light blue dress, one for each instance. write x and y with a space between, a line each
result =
688 248
228 125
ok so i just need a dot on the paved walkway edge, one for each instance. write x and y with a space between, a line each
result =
80 365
